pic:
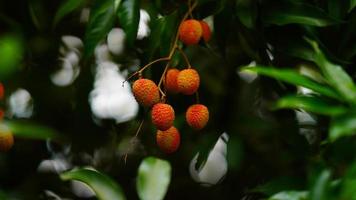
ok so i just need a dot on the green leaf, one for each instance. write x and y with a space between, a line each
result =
153 179
335 75
349 184
11 53
66 8
321 186
32 130
246 10
101 20
310 104
290 195
129 18
289 12
294 78
104 187
341 126
352 5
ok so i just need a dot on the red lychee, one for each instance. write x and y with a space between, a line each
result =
190 32
168 141
146 92
162 116
197 116
188 81
170 82
206 31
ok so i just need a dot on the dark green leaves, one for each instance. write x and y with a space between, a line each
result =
295 78
32 130
342 126
336 76
321 186
104 187
289 12
66 8
11 51
129 17
310 104
246 10
101 20
153 179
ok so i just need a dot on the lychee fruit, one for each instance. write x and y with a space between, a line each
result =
162 116
188 81
168 141
190 32
197 116
6 139
170 82
146 92
206 31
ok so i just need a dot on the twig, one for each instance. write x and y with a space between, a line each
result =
133 139
185 57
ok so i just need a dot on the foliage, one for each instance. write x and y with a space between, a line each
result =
302 52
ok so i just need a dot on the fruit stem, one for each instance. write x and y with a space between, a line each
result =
133 139
185 57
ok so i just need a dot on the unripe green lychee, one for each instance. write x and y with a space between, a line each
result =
6 139
188 81
168 141
206 31
190 32
146 92
197 116
162 116
170 82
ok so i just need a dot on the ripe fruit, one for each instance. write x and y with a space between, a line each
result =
168 141
206 31
162 116
197 116
6 139
146 92
188 81
190 32
170 82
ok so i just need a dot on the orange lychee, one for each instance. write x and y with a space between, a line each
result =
170 82
146 92
6 139
197 116
188 81
162 116
190 32
206 31
168 141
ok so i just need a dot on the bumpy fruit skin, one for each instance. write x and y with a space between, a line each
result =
146 92
162 116
197 116
6 140
206 31
170 82
190 32
168 141
188 81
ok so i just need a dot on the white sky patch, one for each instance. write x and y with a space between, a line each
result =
21 104
70 58
116 41
108 99
215 167
143 26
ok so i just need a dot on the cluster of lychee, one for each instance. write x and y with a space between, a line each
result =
6 136
186 82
